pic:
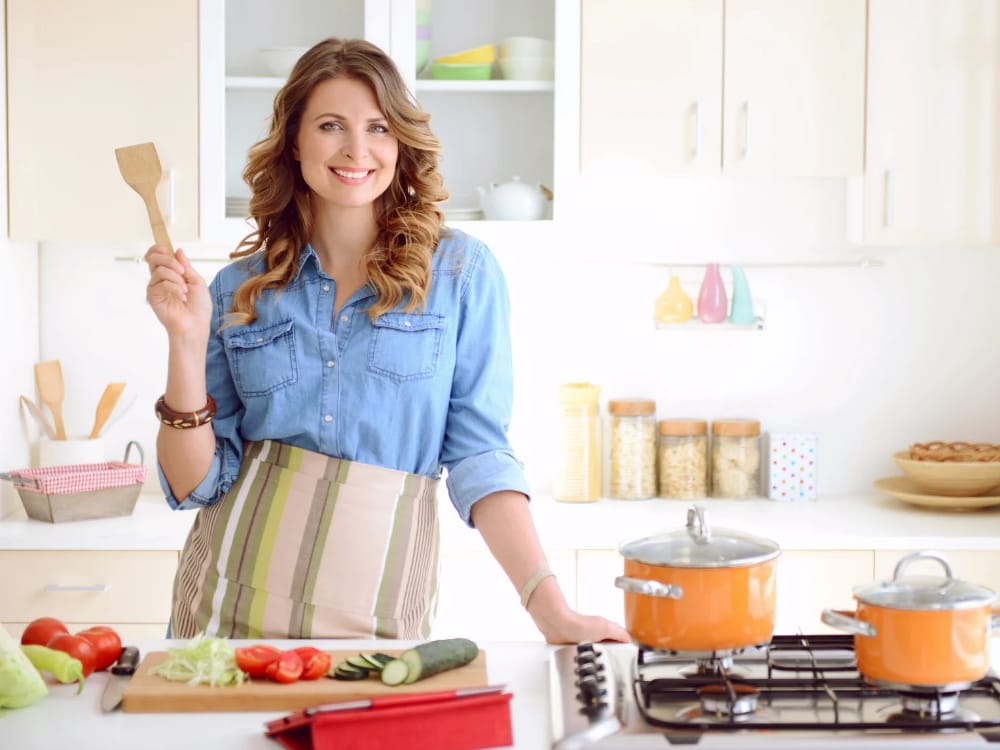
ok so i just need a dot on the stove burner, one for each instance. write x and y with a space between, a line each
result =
728 699
931 706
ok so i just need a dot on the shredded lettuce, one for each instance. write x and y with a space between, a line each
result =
20 683
202 661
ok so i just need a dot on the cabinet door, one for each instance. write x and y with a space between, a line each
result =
794 87
933 135
596 591
651 81
82 80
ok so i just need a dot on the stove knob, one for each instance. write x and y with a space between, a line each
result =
587 670
591 695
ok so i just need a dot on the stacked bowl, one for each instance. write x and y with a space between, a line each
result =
959 476
526 58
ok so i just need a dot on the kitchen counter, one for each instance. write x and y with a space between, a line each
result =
850 522
64 719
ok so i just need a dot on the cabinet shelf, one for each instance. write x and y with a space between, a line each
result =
484 87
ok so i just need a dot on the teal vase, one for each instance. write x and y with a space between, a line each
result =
742 309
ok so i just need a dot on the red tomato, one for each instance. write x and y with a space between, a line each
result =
254 660
39 632
286 668
107 643
78 648
315 663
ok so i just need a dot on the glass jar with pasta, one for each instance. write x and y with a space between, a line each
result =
682 458
578 474
735 458
632 448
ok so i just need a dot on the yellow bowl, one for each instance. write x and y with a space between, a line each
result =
484 54
950 478
461 72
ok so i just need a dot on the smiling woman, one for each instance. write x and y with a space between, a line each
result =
355 348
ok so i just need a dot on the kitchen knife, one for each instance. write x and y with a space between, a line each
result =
118 676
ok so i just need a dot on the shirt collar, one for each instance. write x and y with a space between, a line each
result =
309 253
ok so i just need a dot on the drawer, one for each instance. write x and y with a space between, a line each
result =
130 633
89 586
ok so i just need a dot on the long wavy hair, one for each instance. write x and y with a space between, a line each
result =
407 215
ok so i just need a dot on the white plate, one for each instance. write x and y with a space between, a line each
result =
463 214
908 491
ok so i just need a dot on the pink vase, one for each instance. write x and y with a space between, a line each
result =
712 301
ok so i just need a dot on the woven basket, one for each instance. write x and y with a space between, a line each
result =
76 492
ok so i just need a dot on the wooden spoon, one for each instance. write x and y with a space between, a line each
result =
140 167
105 406
49 379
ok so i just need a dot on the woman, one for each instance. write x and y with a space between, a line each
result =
318 386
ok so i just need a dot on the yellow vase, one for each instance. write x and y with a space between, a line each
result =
674 306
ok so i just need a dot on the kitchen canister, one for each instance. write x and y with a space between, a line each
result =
735 458
578 475
682 458
632 448
791 466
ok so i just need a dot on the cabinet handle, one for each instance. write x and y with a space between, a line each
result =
887 209
696 150
746 129
97 588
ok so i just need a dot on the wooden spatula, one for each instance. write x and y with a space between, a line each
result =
49 379
140 166
105 406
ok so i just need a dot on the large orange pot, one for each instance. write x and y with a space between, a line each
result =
699 589
920 631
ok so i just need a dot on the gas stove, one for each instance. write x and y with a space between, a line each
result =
797 691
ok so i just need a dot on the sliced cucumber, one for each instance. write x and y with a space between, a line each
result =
395 672
374 663
359 662
384 658
433 657
342 673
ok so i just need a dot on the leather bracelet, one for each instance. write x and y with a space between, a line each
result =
529 588
184 420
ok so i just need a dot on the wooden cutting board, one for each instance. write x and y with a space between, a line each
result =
150 693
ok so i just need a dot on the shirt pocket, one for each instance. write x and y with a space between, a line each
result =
262 357
406 346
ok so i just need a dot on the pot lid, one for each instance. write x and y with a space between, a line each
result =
924 592
698 546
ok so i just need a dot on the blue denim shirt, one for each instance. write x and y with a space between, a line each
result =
414 391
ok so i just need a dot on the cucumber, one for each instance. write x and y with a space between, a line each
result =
374 663
395 673
348 671
360 662
430 658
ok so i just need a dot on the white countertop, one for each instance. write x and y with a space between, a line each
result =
860 522
66 720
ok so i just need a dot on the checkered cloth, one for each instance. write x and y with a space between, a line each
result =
73 478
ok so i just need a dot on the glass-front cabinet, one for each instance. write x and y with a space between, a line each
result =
496 110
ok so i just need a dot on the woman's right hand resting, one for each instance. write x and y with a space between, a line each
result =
178 295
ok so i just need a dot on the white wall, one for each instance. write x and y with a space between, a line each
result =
869 359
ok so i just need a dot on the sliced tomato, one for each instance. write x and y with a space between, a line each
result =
39 632
286 668
254 660
78 648
315 663
107 643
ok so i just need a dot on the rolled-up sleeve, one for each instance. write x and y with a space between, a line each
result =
225 465
476 450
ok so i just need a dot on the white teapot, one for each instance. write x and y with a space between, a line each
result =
513 201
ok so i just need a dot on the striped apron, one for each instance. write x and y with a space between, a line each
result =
308 546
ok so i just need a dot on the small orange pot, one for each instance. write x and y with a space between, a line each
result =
700 590
920 631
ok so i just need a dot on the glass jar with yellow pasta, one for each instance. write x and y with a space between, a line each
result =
578 473
735 458
682 458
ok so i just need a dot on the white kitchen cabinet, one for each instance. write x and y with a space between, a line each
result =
477 600
129 590
82 80
932 164
490 130
742 87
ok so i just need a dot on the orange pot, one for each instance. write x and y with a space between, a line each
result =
700 590
920 632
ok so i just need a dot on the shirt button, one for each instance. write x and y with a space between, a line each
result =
406 323
343 318
330 363
326 287
328 418
260 340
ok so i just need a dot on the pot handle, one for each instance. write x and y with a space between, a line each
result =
925 555
697 526
841 620
649 588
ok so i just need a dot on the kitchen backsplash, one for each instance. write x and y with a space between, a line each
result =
867 360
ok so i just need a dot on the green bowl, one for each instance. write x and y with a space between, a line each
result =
461 71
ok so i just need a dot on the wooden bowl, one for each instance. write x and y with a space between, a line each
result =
950 478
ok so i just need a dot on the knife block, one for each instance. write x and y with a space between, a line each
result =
459 724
